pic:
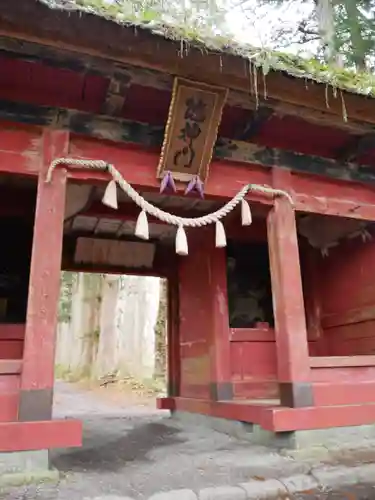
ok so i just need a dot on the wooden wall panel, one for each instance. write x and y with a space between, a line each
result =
11 341
347 294
11 349
254 367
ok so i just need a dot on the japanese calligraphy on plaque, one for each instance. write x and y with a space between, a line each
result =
191 131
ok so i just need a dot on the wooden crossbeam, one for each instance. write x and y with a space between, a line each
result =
89 34
145 135
94 65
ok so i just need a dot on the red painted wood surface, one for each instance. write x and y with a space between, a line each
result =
256 389
254 369
289 311
311 282
259 334
342 361
312 193
35 83
44 287
42 83
19 149
11 349
173 343
348 298
344 393
10 367
254 360
23 436
195 318
9 394
204 324
275 418
222 409
341 380
9 406
219 338
320 417
12 331
205 347
254 363
11 341
343 374
139 168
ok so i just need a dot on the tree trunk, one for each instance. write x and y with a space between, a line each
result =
107 355
161 332
356 39
138 309
326 23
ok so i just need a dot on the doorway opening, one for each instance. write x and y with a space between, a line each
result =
249 285
112 335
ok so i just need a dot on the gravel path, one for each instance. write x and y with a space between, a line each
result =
137 451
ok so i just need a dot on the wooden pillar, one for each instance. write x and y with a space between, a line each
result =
288 303
221 385
203 319
174 369
37 377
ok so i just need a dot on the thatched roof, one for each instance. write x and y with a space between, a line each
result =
205 37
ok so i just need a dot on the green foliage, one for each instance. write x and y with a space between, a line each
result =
355 31
67 282
78 375
160 333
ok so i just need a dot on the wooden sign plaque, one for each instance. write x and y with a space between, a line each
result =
190 135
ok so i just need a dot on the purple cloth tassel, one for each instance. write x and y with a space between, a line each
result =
167 183
199 187
195 185
191 185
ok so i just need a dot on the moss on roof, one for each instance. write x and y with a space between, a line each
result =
205 37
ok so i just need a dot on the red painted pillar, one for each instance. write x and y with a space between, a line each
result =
37 375
221 387
204 324
288 303
174 360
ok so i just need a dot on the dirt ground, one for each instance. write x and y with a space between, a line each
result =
131 449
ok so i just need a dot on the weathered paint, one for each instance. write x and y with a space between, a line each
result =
204 324
290 324
311 193
37 376
347 298
344 393
221 380
275 418
24 436
72 31
207 361
173 333
145 135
